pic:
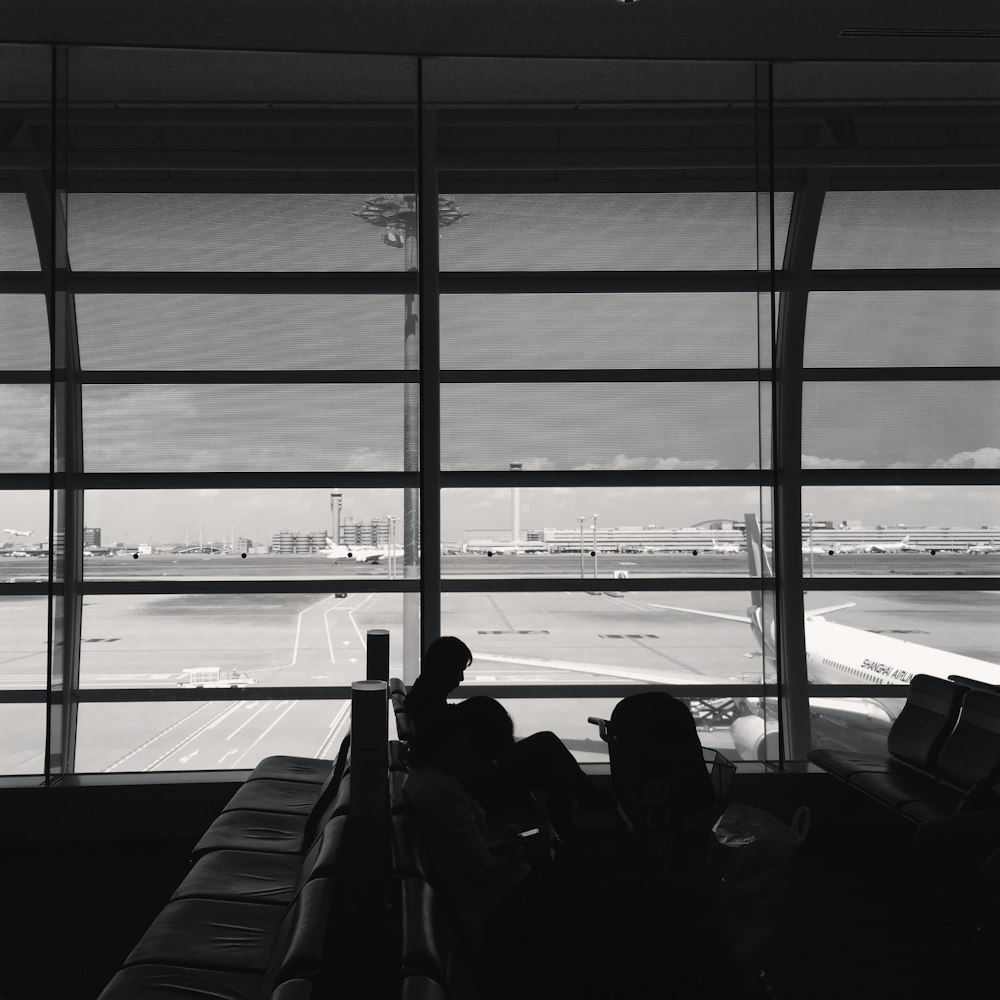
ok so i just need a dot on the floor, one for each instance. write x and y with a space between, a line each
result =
860 922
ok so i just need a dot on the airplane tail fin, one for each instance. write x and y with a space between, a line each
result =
758 561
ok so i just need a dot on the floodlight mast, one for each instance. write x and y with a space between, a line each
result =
396 215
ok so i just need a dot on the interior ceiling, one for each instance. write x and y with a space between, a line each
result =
674 29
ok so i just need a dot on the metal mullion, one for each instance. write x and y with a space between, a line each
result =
22 283
553 584
800 246
104 696
27 377
596 282
926 373
901 477
245 480
252 376
29 481
891 583
251 585
430 384
905 279
243 282
611 375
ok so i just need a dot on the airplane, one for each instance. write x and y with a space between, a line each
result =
903 545
983 548
722 548
359 553
15 531
837 653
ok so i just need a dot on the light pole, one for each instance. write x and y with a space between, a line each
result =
810 544
582 519
396 215
594 519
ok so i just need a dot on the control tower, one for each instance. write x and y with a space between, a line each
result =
336 503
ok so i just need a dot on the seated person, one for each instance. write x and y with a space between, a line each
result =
495 879
539 762
442 669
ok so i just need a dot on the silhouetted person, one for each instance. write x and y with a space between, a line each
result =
442 669
498 882
540 762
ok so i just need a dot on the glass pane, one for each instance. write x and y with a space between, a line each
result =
25 533
237 534
653 330
243 427
205 736
23 647
627 532
603 426
855 329
902 530
224 232
567 718
596 638
628 231
885 638
184 332
24 332
238 640
22 743
24 432
911 229
18 250
934 425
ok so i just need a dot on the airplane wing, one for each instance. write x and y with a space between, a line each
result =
599 670
743 619
825 611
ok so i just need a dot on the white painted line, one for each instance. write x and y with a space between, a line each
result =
263 734
245 721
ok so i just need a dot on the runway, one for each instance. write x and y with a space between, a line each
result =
517 637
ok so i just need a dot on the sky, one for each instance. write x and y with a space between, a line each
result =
565 425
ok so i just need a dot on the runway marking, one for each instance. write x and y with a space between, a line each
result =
198 732
332 733
264 733
225 755
153 739
245 721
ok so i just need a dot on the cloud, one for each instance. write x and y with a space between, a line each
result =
982 458
812 462
626 463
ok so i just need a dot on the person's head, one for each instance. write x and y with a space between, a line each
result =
446 661
467 738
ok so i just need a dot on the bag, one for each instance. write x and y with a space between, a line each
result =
757 855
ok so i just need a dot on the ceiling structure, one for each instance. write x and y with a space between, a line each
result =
967 30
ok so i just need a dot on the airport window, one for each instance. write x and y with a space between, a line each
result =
689 362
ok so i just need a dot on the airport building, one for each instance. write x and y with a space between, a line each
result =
726 265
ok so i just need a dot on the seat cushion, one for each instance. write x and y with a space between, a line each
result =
247 876
163 982
896 789
308 769
276 795
211 934
251 830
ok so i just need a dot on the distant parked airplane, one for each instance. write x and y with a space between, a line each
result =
15 531
721 548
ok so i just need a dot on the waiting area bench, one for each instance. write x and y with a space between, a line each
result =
944 741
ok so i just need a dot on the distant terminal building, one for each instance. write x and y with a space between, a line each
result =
298 543
374 532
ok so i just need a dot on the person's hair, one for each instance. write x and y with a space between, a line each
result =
446 655
486 724
483 722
